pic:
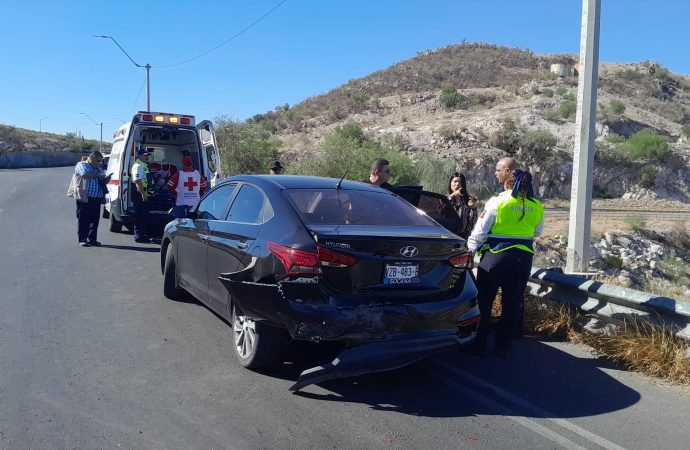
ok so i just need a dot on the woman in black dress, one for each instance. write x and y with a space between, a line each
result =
464 204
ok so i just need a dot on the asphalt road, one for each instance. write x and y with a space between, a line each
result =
93 356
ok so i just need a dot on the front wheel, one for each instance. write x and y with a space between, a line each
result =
257 345
170 287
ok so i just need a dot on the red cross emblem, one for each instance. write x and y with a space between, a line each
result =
190 183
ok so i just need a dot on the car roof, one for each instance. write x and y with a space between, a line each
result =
303 182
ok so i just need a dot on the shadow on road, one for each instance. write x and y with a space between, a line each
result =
133 248
547 382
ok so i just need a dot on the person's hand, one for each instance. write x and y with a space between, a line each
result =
472 202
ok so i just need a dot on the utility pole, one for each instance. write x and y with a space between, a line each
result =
147 67
580 223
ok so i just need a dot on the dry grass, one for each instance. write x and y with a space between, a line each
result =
637 346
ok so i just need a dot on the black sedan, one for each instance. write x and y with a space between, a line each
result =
321 259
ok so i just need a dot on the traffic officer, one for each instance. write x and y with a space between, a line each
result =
140 177
503 237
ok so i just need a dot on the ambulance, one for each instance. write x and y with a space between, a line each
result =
168 137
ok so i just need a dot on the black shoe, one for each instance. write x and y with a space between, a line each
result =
84 244
143 240
95 243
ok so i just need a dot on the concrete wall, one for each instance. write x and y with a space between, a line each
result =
16 160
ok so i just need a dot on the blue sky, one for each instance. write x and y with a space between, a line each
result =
53 69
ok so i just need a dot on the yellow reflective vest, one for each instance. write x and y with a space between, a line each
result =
511 229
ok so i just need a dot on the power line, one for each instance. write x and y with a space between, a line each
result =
137 99
223 43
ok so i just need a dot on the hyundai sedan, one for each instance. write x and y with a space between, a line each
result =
319 259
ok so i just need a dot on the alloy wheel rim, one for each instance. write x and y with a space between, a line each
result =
245 335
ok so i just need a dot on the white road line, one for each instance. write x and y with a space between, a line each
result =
594 438
512 415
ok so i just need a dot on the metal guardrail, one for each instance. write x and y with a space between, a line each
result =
612 304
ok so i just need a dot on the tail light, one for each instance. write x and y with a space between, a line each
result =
462 260
330 258
185 121
297 262
301 262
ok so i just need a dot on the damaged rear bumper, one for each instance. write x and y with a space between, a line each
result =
309 313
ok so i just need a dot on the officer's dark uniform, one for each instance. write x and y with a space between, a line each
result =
503 238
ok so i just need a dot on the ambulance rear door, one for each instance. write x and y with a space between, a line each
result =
211 153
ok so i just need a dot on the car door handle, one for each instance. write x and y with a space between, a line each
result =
204 237
242 245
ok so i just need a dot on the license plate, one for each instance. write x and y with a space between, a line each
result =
401 274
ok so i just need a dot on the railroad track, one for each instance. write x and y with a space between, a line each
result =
669 214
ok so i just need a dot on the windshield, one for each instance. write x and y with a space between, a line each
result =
349 207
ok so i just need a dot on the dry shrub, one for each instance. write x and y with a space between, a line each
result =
549 320
638 346
643 347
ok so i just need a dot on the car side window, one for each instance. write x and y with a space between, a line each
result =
247 206
213 206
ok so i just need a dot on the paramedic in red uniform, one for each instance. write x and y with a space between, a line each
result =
187 186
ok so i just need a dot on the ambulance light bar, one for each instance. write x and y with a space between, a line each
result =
167 118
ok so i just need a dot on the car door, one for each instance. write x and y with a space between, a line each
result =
232 239
211 151
193 236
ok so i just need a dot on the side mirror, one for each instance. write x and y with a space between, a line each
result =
178 212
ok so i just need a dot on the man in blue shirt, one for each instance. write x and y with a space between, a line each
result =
89 213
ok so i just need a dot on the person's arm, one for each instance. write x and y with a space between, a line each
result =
80 170
483 226
203 187
172 183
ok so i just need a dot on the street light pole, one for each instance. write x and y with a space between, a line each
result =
147 67
40 123
100 147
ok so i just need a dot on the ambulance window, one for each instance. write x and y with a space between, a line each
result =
209 157
213 206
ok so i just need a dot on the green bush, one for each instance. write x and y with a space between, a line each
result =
613 261
348 149
561 91
616 139
647 177
547 92
434 174
616 107
450 97
636 222
646 144
506 137
538 143
245 147
567 109
674 269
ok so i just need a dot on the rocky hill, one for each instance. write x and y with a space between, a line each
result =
14 139
473 103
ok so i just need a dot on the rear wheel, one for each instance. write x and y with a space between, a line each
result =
170 287
256 344
114 225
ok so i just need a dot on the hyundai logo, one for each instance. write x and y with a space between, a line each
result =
409 251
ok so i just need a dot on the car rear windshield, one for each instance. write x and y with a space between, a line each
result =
350 207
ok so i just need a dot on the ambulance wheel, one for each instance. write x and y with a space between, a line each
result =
256 344
114 225
170 287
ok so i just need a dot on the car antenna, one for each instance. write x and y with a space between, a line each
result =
337 186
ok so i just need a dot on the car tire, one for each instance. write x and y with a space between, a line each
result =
170 287
113 225
256 344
